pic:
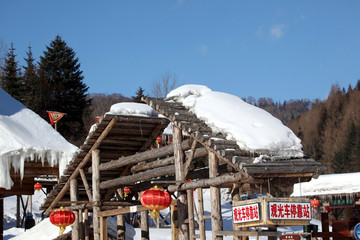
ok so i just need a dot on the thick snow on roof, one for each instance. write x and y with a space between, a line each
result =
133 109
329 184
26 136
252 128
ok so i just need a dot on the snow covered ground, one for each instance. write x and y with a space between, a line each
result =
44 230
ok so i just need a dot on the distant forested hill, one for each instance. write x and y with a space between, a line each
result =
330 131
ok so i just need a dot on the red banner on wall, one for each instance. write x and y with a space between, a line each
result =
55 116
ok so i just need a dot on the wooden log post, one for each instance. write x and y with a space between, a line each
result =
96 191
74 197
216 219
144 224
174 222
86 225
120 220
81 224
1 216
235 195
179 176
190 201
201 214
103 228
18 211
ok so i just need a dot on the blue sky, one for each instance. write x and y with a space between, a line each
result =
280 49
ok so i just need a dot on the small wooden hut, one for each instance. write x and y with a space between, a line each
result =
29 149
339 205
118 154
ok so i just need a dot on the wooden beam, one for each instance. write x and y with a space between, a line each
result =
140 157
142 176
167 161
209 182
86 184
82 164
153 135
123 210
189 159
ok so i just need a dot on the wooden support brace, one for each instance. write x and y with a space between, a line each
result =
81 165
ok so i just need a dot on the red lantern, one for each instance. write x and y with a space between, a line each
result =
158 140
155 199
328 209
126 191
38 186
62 218
315 203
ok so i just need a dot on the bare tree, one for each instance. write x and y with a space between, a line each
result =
163 84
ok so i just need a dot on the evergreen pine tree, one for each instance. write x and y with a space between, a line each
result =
31 82
67 93
139 95
11 80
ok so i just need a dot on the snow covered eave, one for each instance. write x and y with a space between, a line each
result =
329 185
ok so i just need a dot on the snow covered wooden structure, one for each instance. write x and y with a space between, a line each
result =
338 195
29 148
118 154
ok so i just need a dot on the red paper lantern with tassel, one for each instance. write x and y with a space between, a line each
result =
62 218
155 199
315 203
38 186
126 191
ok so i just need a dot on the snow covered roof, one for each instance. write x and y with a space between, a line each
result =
329 184
253 128
132 109
25 136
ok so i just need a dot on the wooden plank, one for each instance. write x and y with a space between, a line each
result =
81 165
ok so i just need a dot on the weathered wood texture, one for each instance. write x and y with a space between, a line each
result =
182 198
81 165
96 192
140 157
75 233
216 219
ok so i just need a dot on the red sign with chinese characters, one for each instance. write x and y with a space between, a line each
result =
289 211
290 237
246 213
